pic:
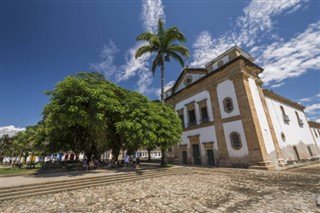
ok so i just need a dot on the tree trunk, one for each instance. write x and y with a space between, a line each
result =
163 157
149 154
115 153
162 83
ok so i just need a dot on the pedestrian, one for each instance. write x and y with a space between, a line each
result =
138 162
127 161
134 162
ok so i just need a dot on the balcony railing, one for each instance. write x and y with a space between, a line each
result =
204 120
192 123
286 119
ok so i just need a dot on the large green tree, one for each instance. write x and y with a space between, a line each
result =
164 45
82 113
88 113
169 127
149 124
6 145
138 126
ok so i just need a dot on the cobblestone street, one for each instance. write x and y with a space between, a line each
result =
207 190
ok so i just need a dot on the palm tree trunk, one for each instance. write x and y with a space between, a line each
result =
162 83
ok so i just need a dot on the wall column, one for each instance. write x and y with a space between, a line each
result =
248 113
223 155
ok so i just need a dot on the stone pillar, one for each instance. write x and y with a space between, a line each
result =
250 121
223 155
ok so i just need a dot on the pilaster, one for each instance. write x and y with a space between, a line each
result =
250 121
223 155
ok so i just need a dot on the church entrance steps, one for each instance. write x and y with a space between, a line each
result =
21 191
263 165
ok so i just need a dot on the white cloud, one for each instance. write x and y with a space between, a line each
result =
145 80
283 60
312 109
107 66
255 23
309 99
280 59
132 66
277 85
258 17
10 130
152 10
166 87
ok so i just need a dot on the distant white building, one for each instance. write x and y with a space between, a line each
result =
229 120
315 131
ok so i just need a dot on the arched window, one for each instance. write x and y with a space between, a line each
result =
235 140
228 105
220 63
188 80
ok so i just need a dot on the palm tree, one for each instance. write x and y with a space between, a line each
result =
164 45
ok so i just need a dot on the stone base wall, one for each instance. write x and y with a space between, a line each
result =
290 156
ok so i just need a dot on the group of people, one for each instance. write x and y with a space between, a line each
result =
135 162
92 164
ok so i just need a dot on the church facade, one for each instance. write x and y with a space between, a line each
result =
229 120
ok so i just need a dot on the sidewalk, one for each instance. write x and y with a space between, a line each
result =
32 178
51 177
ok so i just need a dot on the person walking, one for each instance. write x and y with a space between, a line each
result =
138 162
127 161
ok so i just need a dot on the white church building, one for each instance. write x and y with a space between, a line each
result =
230 120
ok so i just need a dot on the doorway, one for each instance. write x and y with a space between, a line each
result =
184 157
296 151
196 154
210 158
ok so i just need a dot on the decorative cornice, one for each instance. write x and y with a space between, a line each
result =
233 118
282 99
247 62
314 124
204 100
185 72
211 123
190 104
208 142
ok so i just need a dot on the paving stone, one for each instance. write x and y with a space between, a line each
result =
209 190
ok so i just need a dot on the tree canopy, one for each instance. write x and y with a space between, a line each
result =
82 112
88 113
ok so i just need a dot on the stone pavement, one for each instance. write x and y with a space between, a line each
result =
9 181
207 190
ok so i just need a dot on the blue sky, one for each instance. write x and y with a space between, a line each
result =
42 42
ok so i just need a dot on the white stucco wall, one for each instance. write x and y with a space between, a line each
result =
225 60
199 97
207 134
226 89
293 132
168 93
195 77
264 126
316 135
235 126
